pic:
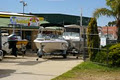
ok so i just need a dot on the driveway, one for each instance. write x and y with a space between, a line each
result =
27 68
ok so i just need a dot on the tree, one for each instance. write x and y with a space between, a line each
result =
93 40
112 23
114 11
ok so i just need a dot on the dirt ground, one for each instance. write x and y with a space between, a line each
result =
27 68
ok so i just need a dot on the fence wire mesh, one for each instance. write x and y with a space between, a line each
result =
101 47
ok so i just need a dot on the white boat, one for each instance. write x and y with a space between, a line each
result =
20 44
72 35
50 40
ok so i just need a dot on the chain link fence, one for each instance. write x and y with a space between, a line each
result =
104 43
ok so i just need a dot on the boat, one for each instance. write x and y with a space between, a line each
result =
13 43
50 40
73 37
11 39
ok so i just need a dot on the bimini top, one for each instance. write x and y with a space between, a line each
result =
51 25
72 26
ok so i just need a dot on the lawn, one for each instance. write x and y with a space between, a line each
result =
90 71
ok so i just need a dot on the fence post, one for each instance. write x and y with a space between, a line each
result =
107 44
84 53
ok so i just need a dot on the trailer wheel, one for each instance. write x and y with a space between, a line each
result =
4 53
40 56
24 52
39 53
64 56
23 48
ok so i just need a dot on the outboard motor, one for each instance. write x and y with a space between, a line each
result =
12 40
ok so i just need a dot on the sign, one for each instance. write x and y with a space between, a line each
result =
26 21
102 41
13 20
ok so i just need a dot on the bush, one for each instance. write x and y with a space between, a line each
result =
113 55
101 57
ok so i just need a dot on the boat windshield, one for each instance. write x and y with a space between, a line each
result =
49 36
73 34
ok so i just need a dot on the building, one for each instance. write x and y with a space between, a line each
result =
30 32
63 19
111 31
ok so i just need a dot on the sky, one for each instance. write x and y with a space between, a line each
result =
71 7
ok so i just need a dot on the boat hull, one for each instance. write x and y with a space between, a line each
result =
50 46
74 42
19 42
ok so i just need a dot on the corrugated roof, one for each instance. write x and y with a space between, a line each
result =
63 18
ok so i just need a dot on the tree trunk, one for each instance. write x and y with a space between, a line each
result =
118 33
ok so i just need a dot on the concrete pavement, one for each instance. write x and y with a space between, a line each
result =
27 68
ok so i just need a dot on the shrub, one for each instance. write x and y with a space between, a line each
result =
101 57
113 55
93 40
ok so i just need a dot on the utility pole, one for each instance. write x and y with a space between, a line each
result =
83 32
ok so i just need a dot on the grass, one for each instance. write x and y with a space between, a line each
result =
90 71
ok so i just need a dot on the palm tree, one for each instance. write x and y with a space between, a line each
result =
114 11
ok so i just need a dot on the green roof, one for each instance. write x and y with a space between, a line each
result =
64 19
4 22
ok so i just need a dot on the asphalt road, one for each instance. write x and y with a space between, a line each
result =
27 68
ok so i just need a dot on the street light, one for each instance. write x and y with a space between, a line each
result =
24 4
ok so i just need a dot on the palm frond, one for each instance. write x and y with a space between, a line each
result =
103 12
113 4
110 2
